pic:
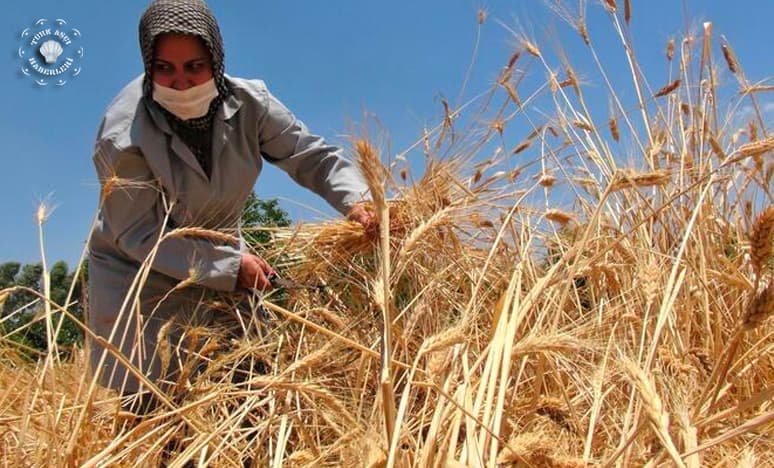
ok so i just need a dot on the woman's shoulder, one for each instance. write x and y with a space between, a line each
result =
251 87
256 95
252 92
121 112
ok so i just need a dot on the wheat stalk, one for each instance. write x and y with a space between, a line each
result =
375 176
760 308
756 148
630 179
654 408
668 89
559 216
202 233
762 241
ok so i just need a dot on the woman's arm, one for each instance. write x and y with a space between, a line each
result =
286 142
133 213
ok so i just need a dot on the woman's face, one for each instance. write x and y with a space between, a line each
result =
180 61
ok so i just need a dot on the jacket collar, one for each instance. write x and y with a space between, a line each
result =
221 129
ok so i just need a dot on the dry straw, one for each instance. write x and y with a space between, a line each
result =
479 324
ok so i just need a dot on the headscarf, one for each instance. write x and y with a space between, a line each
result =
195 18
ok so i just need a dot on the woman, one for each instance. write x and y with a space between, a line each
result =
182 145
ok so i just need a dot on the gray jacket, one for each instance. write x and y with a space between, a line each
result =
136 146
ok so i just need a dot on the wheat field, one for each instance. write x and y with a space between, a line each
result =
546 287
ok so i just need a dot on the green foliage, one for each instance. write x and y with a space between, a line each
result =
21 311
24 304
261 214
8 272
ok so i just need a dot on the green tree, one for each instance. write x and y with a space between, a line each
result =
22 304
8 272
20 307
24 307
261 214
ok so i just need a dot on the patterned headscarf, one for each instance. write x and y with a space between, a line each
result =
195 18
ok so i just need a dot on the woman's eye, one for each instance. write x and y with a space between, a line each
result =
162 68
196 67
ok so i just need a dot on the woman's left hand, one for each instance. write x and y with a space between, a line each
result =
359 214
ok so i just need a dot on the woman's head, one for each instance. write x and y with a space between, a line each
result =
181 46
180 61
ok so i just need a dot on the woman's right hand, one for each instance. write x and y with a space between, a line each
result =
254 272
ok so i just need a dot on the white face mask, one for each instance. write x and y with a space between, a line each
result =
189 103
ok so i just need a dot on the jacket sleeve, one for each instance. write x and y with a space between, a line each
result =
286 142
134 214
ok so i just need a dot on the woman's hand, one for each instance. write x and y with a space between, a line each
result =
359 214
254 272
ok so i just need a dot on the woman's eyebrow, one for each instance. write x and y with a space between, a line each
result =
197 60
157 59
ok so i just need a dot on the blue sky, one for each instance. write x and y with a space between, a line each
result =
327 61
